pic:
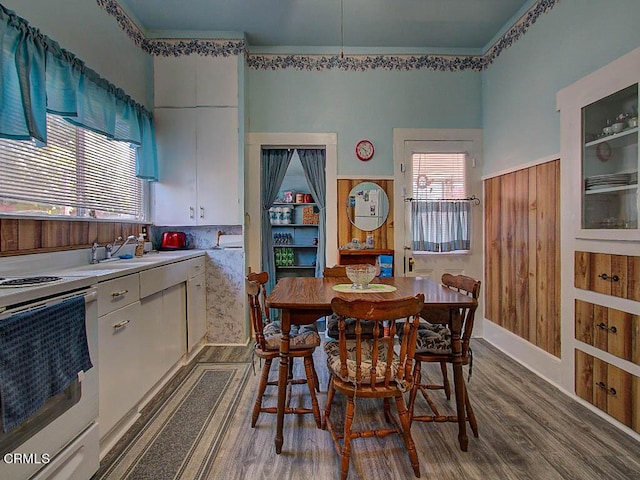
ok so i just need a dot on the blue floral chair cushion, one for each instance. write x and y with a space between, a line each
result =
303 336
332 349
432 338
350 327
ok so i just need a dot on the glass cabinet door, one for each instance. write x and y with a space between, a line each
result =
610 162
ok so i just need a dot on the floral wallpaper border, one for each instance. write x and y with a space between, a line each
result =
400 62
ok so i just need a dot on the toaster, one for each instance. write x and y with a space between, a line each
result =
173 240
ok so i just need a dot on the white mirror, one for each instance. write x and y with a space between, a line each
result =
367 206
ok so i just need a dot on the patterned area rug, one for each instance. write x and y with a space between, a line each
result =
183 437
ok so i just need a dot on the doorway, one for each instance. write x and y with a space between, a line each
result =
408 145
256 142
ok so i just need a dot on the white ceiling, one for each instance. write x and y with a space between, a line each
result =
435 24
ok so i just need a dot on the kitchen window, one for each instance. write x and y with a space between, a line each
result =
79 173
440 211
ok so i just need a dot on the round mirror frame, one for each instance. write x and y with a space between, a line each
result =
369 197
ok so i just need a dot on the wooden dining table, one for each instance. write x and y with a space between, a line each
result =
303 300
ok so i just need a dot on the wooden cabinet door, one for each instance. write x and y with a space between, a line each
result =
600 266
611 389
619 394
617 275
600 393
601 327
608 329
584 376
633 278
620 331
584 321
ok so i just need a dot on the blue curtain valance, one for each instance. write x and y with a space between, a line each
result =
38 76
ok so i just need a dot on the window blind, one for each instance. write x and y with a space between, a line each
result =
79 173
437 176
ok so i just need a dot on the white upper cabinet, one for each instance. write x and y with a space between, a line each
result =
217 166
174 194
599 147
196 122
195 80
198 167
174 81
217 81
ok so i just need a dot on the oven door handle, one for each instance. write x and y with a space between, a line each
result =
89 296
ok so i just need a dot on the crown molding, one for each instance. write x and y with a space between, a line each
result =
318 62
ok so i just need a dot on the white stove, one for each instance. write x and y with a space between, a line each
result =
15 289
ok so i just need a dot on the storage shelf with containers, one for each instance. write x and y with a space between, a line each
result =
295 237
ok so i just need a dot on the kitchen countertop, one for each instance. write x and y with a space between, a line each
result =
78 275
110 269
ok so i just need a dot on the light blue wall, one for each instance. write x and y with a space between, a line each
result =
94 36
360 105
575 38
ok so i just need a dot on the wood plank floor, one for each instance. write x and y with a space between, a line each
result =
528 430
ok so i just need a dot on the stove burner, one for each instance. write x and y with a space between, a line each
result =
28 281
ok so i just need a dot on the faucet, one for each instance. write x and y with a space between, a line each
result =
130 238
94 253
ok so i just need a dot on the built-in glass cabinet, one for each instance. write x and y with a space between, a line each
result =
610 162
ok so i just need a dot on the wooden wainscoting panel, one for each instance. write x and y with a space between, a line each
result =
55 233
79 233
548 259
27 236
8 235
492 244
383 236
633 280
522 254
507 264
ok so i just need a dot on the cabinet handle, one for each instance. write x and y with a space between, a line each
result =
121 324
192 212
613 278
611 391
120 293
201 212
603 326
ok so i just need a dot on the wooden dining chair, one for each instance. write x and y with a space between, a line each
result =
370 367
303 341
434 345
338 271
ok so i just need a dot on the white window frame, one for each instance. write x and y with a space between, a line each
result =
145 192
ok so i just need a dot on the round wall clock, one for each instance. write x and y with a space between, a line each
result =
364 150
603 151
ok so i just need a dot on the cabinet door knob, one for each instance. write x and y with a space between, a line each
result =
192 212
603 326
613 278
120 293
201 212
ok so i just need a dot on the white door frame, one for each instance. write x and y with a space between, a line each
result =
254 144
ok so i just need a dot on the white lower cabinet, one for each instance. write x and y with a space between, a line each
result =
142 334
121 385
196 310
164 313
